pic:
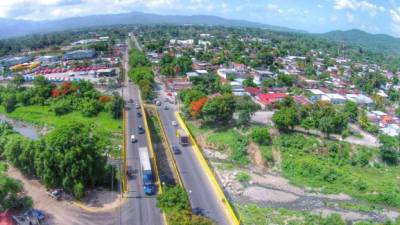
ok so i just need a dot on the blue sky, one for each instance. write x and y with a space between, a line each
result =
375 16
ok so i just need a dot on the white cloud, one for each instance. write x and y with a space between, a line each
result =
350 17
395 24
54 9
364 5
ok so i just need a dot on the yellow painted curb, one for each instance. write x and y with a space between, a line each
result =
210 174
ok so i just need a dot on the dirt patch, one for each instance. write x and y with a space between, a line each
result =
255 155
59 212
101 198
268 195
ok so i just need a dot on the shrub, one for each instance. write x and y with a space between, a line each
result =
242 177
79 190
260 135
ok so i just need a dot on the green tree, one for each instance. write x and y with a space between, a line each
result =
220 109
260 135
351 109
248 82
115 106
173 199
10 103
245 108
11 194
71 155
90 107
285 118
389 149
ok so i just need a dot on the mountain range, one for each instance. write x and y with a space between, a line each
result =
13 28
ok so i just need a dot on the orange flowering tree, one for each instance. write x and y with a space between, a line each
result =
196 106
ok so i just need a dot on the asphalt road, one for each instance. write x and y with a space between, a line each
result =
139 208
203 199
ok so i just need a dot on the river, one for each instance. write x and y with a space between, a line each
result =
23 128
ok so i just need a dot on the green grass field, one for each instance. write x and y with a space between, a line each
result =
42 116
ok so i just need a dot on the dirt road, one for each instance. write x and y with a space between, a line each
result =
62 212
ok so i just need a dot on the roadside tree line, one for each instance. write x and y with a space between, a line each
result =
141 73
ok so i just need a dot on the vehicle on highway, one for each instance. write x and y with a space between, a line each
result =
174 123
166 107
176 150
137 106
147 172
183 137
133 139
129 171
141 129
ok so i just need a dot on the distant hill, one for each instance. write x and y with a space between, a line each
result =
13 28
377 42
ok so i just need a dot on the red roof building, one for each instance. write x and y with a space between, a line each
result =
253 90
5 218
268 98
301 100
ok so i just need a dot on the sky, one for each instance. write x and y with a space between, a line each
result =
374 16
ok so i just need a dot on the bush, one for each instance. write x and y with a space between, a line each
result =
90 107
242 177
62 107
260 135
79 190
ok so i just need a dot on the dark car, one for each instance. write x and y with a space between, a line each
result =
166 107
176 150
129 171
130 100
139 114
141 130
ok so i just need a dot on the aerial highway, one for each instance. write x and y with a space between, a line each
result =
204 200
139 207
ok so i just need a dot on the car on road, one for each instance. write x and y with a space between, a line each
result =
56 194
137 106
166 107
141 130
129 171
176 150
138 114
174 123
133 139
130 100
158 103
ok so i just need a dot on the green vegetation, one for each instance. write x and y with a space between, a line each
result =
252 214
71 157
11 192
334 167
174 202
141 73
242 177
322 116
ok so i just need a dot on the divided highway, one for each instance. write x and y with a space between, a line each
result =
203 198
139 209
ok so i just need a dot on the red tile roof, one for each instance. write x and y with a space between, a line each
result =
5 218
302 100
253 90
269 98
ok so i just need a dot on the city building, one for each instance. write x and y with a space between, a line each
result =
80 54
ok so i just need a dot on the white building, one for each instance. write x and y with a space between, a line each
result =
224 72
336 98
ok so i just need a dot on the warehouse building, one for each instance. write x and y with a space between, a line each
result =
80 54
